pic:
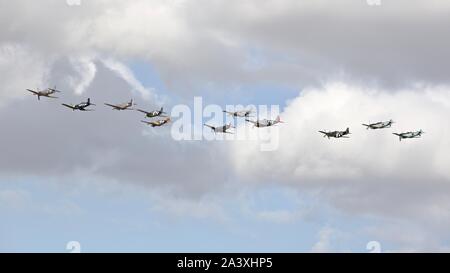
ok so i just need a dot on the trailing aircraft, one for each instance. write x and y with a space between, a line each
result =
416 134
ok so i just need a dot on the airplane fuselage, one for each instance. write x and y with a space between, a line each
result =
380 125
416 134
265 123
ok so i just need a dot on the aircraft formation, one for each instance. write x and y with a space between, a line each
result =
374 126
84 107
258 123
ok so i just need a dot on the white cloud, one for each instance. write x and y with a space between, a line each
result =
324 240
371 173
86 69
125 73
20 68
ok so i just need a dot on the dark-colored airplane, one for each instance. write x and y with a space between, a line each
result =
81 106
221 129
157 123
265 122
336 134
44 93
416 134
122 106
153 114
379 125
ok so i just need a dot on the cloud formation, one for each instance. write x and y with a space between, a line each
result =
352 63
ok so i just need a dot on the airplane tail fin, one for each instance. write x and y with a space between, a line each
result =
347 131
278 120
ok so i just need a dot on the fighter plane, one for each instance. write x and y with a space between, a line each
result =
153 114
265 122
221 129
122 106
416 134
81 106
336 134
157 123
240 114
44 93
379 125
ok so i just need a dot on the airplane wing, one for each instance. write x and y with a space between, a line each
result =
396 134
325 133
142 111
148 122
251 121
69 106
32 91
367 125
111 105
209 126
52 97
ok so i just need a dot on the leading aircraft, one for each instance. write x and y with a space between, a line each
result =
122 106
240 114
379 125
221 129
81 106
265 122
153 114
336 134
45 93
157 123
416 134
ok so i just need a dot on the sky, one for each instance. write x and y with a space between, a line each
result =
107 181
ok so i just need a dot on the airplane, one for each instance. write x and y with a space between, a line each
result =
265 122
81 106
122 106
153 114
416 134
44 93
379 125
157 123
240 114
336 134
221 129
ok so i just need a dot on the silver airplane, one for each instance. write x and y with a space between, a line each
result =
336 134
379 125
153 114
416 134
81 106
157 123
240 114
265 122
122 106
221 129
44 93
